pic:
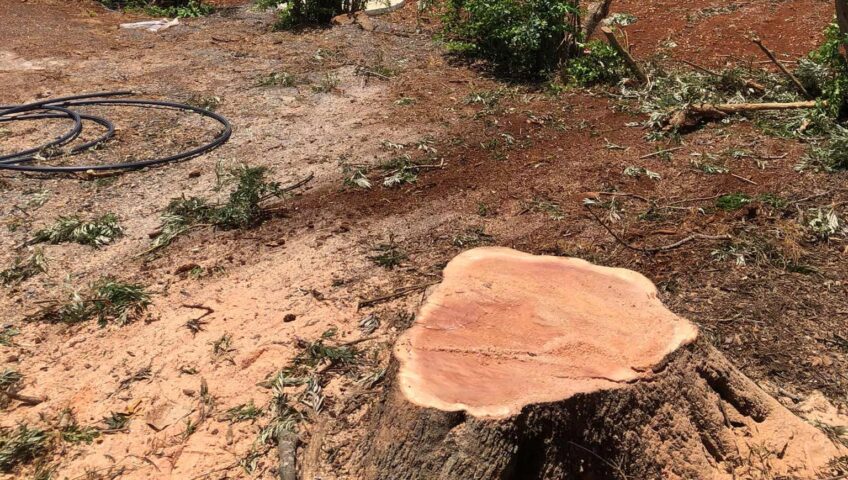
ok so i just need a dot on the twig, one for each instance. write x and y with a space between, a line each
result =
660 152
25 399
396 294
628 59
299 184
699 199
747 180
811 197
681 242
625 194
782 67
748 83
197 306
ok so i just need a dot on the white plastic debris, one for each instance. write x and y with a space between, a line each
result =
152 25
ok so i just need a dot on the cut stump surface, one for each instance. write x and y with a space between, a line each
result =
532 367
506 329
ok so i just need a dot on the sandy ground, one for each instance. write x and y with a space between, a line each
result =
311 259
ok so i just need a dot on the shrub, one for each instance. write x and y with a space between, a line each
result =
524 38
824 73
599 64
299 13
163 8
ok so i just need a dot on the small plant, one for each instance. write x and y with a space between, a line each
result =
732 201
472 237
223 346
824 224
277 79
24 269
243 413
209 103
388 255
20 445
552 209
73 432
327 84
7 333
9 382
598 64
637 172
97 233
116 421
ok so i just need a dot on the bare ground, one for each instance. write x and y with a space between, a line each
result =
784 329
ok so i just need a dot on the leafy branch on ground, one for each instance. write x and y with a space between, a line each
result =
96 233
107 300
242 209
24 268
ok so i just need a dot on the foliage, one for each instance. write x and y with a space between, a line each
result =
732 201
824 224
108 300
7 332
243 412
388 255
833 154
242 209
523 38
21 445
97 232
598 64
24 269
163 8
116 421
824 73
277 79
298 13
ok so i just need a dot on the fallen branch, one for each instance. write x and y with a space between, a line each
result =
782 68
694 115
396 294
679 243
25 399
748 83
628 58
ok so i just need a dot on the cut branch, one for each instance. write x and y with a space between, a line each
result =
694 115
595 13
782 68
628 58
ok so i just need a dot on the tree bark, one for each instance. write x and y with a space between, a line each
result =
698 417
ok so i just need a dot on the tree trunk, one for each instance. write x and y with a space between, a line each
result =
842 16
525 367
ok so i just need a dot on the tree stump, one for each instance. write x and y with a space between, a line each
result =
528 367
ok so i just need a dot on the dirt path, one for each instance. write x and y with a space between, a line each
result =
514 175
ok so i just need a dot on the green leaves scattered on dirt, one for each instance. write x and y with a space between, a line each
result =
242 209
21 445
108 300
24 268
96 233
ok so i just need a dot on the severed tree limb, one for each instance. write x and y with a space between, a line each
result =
694 115
628 58
782 68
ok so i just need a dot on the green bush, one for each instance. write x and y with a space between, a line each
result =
599 64
163 8
824 73
523 38
300 13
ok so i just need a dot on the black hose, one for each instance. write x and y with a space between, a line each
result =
45 152
14 161
69 136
